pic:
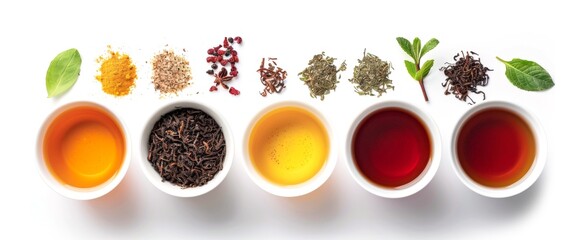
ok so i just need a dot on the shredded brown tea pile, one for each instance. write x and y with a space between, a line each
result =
272 77
321 75
186 147
171 72
464 76
372 74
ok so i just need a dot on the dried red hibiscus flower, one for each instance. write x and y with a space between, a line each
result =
224 55
233 91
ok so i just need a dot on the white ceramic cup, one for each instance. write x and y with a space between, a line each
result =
536 168
418 183
166 186
76 192
297 189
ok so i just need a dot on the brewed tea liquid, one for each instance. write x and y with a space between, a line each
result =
391 147
495 147
288 145
84 147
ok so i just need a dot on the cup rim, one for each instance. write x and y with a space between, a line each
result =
76 193
155 179
538 163
298 189
423 179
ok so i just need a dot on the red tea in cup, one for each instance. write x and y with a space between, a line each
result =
391 147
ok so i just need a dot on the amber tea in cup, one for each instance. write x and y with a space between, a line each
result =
84 147
288 150
288 145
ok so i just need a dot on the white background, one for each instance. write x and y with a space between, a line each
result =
32 33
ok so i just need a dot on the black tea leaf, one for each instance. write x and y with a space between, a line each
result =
464 76
187 147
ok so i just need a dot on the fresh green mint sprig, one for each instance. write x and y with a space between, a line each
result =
416 51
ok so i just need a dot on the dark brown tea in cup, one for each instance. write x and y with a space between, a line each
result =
495 147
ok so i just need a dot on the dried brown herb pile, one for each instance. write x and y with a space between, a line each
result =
321 75
171 73
372 74
272 77
187 147
463 76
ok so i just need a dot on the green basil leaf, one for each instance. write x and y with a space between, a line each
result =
429 46
63 72
411 68
406 46
527 75
417 44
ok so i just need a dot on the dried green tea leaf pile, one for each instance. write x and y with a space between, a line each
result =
321 75
372 74
464 76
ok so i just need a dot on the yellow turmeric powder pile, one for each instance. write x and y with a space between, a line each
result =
118 73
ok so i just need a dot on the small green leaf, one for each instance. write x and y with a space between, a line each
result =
527 75
411 68
418 75
406 46
426 68
429 46
417 45
63 72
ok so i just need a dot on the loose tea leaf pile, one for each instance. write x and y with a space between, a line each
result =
187 147
464 76
171 73
272 77
321 75
372 74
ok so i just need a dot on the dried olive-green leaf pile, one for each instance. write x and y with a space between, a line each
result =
321 75
372 74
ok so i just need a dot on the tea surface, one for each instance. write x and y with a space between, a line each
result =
84 147
496 147
288 145
391 147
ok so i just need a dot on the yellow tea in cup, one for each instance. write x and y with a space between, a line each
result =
288 145
84 147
